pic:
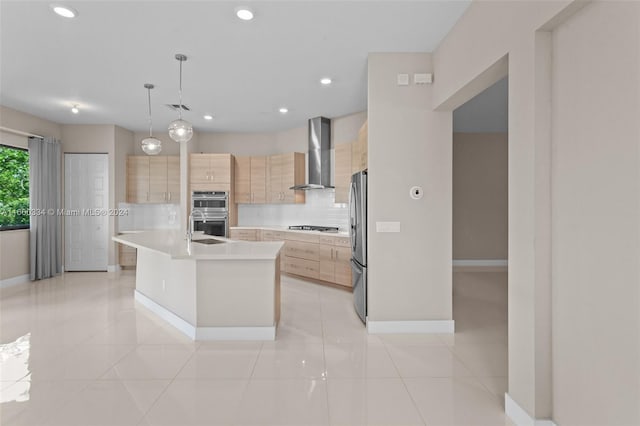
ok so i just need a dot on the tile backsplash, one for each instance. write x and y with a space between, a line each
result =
319 209
149 216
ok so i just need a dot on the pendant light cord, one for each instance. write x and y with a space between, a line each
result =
150 122
180 92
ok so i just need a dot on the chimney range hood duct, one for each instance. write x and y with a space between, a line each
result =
319 155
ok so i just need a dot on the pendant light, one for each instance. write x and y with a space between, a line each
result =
180 130
151 145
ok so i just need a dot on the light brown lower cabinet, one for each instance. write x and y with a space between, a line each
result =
326 258
127 256
244 234
298 249
302 267
335 260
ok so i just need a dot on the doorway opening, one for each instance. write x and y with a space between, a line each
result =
480 235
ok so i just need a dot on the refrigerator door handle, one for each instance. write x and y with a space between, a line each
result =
353 216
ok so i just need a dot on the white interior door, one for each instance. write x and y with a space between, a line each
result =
86 202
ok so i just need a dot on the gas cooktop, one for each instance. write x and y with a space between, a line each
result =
313 228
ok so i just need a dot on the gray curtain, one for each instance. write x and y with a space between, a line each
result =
45 242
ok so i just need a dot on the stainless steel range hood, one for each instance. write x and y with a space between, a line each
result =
319 155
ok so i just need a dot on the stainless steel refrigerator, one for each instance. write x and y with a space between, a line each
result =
358 233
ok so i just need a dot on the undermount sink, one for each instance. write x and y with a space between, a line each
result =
208 241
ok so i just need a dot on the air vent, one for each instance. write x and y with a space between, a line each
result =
176 107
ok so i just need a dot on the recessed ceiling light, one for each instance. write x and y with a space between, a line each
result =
244 13
64 11
325 81
283 110
74 109
208 117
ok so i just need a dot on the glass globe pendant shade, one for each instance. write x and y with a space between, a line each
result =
151 146
180 130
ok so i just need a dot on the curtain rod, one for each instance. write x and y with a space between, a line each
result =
19 132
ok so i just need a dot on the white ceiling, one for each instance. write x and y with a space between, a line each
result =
241 72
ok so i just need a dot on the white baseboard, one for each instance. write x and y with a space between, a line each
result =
420 327
519 416
182 325
113 268
20 279
206 333
481 262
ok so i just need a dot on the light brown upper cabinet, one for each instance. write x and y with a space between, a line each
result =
251 184
153 179
210 172
342 178
258 180
360 148
283 172
243 180
164 179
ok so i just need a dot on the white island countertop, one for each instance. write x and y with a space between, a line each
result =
174 244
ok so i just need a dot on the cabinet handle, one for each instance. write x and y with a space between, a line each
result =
169 196
337 252
331 254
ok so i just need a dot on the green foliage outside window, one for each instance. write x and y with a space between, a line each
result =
14 187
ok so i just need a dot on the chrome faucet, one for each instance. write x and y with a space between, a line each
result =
190 224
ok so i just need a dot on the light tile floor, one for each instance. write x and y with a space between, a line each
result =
77 350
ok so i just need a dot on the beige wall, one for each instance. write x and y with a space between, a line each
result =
123 146
344 130
14 245
595 216
28 123
14 253
517 35
480 202
409 144
241 144
499 30
96 139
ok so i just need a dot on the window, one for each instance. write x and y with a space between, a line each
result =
14 188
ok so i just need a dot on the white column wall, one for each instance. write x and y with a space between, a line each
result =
596 216
409 144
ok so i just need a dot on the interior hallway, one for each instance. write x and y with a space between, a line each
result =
76 350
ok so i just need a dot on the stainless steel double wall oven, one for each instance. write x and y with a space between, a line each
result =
210 212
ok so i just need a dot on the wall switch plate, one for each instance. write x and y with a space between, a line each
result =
423 78
403 79
387 226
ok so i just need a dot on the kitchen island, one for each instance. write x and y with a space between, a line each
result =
224 291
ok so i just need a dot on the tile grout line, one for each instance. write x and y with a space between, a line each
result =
171 381
324 360
406 388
